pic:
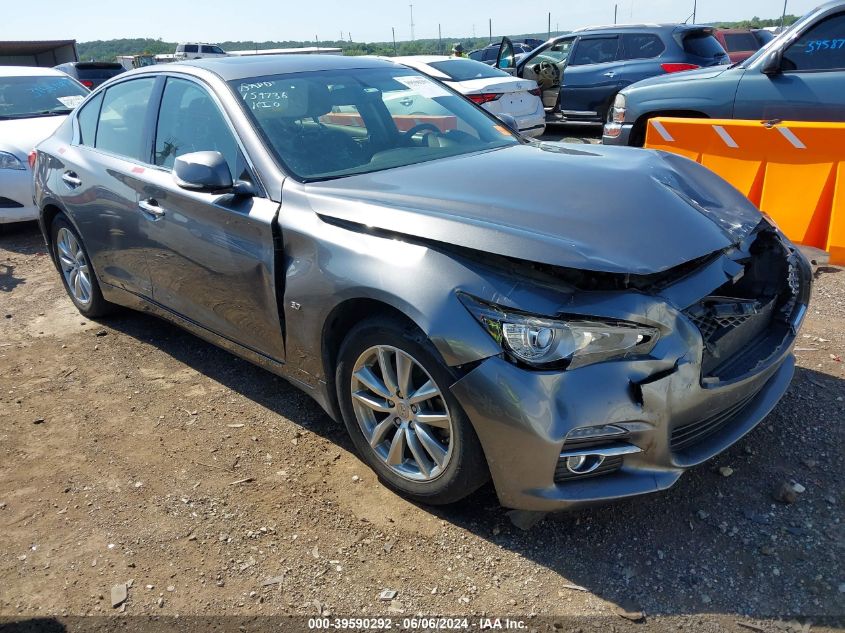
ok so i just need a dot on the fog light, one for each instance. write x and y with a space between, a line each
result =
583 464
612 130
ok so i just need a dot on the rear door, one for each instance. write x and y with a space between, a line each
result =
212 258
640 52
811 84
592 76
102 182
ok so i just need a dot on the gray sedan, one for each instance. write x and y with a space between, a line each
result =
578 324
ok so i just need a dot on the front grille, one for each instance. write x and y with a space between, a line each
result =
689 434
745 322
8 203
610 464
710 326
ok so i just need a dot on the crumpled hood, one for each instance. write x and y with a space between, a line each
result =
610 209
20 136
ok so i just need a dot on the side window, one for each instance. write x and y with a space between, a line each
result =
476 55
642 45
121 125
557 53
191 48
190 121
87 120
595 50
489 54
820 48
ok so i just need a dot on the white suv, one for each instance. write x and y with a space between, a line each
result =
197 50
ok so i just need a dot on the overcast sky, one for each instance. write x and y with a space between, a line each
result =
367 20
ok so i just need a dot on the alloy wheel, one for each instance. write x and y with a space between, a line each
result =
75 267
402 413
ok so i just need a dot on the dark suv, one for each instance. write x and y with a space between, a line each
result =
580 73
91 74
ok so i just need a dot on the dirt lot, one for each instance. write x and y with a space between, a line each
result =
132 450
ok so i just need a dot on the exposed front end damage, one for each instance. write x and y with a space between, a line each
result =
561 438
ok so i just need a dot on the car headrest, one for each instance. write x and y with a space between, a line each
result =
299 100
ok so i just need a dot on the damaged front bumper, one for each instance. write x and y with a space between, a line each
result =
561 439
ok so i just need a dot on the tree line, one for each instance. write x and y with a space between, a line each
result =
107 50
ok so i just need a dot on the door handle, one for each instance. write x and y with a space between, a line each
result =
71 179
610 74
152 208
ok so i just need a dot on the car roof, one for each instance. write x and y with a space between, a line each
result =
233 68
609 28
29 71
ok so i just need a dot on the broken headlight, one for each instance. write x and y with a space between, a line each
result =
577 341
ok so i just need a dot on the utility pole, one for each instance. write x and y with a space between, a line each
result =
393 28
615 12
490 29
412 21
694 9
783 16
439 40
550 25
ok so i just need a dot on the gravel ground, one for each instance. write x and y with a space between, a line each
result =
132 451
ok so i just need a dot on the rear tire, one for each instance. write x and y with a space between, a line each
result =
76 271
419 441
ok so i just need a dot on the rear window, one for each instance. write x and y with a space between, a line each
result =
736 42
703 45
467 69
98 71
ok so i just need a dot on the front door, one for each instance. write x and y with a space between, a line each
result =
506 58
809 86
592 77
214 256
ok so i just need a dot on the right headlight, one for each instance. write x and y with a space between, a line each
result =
543 342
619 109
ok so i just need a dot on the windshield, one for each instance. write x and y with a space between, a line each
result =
329 124
780 37
24 97
467 69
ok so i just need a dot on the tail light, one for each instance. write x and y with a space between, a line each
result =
678 68
484 97
32 157
87 83
537 92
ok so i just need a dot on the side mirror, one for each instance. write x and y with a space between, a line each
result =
772 64
205 172
509 121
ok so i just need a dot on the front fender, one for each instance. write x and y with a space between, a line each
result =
327 265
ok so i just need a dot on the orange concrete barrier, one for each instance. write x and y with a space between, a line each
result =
792 170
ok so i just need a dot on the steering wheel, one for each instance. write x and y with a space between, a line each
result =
419 127
547 73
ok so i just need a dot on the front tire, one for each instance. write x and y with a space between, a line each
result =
393 392
76 270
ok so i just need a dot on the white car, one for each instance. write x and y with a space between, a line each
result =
492 89
197 50
33 103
